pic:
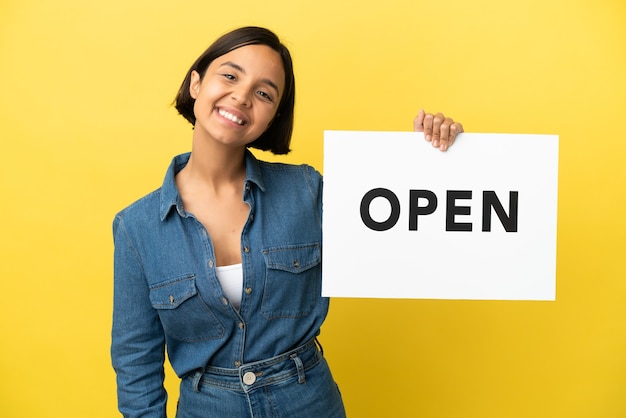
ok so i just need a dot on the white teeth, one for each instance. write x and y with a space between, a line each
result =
230 116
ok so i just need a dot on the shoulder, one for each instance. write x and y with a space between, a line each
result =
145 217
289 176
140 213
292 171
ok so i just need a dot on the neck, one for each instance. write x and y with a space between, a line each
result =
215 164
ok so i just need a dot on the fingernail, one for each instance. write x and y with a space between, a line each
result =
428 138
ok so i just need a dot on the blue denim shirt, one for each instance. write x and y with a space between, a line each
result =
166 292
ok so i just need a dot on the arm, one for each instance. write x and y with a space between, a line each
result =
138 342
439 130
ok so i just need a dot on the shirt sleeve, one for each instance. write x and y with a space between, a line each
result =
138 341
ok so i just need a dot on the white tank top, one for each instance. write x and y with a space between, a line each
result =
231 280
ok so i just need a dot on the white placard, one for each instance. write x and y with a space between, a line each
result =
404 220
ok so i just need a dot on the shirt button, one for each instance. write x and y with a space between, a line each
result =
241 325
210 263
237 363
249 378
251 217
246 249
225 301
248 290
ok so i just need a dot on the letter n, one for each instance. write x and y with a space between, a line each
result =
509 221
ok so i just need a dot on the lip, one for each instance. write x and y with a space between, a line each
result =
239 115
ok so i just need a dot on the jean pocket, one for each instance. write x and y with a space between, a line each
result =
292 280
183 313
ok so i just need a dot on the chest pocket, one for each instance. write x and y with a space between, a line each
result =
183 313
292 280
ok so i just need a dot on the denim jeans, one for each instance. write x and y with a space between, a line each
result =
295 384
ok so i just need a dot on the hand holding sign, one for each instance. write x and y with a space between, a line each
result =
439 130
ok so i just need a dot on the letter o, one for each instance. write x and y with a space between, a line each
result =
365 209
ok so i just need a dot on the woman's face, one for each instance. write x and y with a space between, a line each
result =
238 96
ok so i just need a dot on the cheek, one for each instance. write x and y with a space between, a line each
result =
205 100
269 118
208 93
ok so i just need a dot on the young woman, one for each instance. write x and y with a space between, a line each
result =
222 264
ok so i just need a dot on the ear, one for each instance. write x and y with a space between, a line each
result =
194 84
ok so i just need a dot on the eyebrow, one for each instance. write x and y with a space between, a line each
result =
240 68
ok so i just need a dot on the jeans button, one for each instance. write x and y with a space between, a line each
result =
249 378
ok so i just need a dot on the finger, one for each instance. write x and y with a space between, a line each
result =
455 129
418 122
444 134
428 126
436 129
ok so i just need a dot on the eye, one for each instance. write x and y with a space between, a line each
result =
265 95
229 76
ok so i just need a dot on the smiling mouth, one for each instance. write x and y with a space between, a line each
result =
230 116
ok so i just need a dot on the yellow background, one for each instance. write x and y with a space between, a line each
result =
86 127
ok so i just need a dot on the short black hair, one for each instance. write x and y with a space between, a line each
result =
278 136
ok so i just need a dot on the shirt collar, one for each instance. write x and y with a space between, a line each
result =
169 192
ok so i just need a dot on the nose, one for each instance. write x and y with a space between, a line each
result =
242 96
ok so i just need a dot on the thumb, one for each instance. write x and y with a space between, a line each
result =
418 122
